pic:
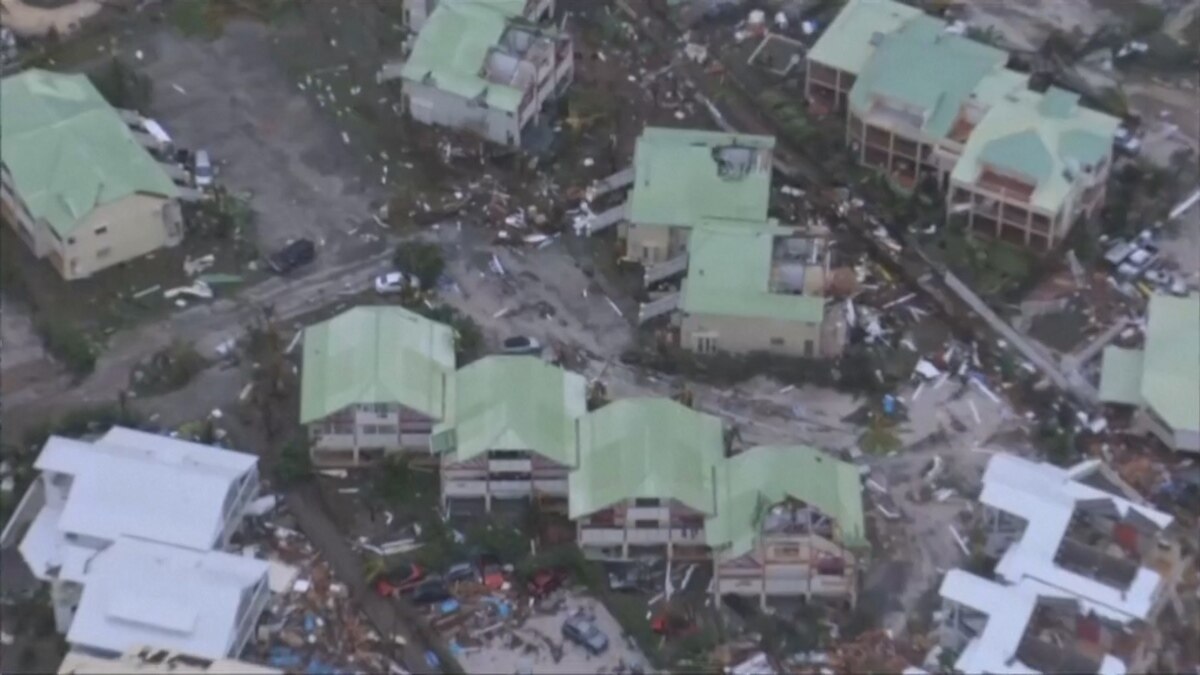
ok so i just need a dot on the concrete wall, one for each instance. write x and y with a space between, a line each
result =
399 429
430 105
739 334
652 244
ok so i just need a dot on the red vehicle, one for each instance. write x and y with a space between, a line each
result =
402 579
492 572
545 582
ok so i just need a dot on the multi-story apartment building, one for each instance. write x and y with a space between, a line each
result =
1161 380
487 68
511 434
95 507
1032 167
375 380
416 12
789 523
923 102
75 183
1080 534
653 479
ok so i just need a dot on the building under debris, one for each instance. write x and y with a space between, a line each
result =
487 67
76 183
374 381
1161 380
511 433
155 661
1083 571
925 103
129 531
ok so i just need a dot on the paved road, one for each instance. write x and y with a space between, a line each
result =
204 326
305 504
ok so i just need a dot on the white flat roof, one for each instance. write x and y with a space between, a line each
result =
1045 496
76 663
144 593
1009 610
144 485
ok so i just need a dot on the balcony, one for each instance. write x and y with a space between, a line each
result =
601 536
507 489
496 466
1003 186
464 488
551 486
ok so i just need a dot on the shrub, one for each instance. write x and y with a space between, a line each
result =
423 259
122 86
82 421
295 465
69 345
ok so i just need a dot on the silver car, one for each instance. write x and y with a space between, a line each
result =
585 634
202 169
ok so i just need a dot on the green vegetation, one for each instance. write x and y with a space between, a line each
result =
169 370
69 345
122 86
195 18
880 437
295 465
991 267
468 335
80 422
423 259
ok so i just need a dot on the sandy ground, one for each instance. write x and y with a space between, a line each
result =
28 21
497 657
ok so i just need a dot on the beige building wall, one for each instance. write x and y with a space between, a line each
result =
120 231
739 334
789 566
651 244
362 435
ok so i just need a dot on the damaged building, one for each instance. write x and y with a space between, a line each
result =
496 445
129 532
151 660
1077 558
654 480
488 68
374 381
697 207
1161 381
924 103
76 183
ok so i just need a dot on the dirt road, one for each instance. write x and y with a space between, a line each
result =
204 326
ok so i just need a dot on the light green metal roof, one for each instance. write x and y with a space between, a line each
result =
729 273
377 354
998 84
68 150
761 477
1171 363
927 70
646 448
1121 376
1017 136
453 45
677 182
514 403
846 43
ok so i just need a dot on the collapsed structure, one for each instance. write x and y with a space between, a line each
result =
924 103
487 67
374 381
129 531
697 207
77 184
1161 381
1083 572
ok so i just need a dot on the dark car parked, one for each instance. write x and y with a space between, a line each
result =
296 254
429 591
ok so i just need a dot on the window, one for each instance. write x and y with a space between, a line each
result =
103 253
646 524
787 551
507 454
70 240
370 429
648 503
383 409
102 230
776 342
808 347
706 343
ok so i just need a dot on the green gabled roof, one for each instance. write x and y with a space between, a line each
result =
1018 136
514 403
761 477
927 69
68 150
847 43
646 448
729 274
1171 362
454 43
677 182
1121 376
377 355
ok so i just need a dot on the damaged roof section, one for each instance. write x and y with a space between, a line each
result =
683 177
381 354
1165 375
651 448
754 273
514 403
850 40
473 49
764 476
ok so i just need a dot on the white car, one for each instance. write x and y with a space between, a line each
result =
395 282
202 169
